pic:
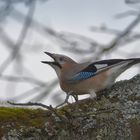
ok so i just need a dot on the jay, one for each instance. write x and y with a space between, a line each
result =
89 77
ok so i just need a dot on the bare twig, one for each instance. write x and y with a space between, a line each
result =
30 104
50 108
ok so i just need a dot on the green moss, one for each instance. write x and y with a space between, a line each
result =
22 116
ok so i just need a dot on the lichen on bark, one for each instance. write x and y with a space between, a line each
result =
116 115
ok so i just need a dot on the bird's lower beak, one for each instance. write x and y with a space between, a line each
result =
47 62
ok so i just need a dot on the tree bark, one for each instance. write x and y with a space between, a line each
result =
115 116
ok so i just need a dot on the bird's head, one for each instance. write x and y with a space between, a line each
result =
59 62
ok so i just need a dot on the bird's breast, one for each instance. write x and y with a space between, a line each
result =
96 83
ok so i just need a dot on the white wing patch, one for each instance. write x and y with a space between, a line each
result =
99 66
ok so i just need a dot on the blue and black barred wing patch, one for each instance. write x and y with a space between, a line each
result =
93 69
81 76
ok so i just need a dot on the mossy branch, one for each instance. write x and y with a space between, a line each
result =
115 116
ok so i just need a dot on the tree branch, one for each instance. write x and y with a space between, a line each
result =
114 116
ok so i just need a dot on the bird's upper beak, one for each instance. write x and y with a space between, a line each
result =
51 62
50 54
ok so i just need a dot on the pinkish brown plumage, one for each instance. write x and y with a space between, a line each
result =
89 77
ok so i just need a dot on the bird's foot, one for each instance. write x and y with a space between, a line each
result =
67 98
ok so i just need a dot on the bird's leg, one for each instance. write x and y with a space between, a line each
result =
75 97
66 99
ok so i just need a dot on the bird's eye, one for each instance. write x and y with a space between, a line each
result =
61 58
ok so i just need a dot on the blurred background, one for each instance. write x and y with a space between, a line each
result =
86 30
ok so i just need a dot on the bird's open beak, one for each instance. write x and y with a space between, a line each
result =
51 62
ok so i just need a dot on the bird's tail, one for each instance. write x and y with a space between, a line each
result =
131 62
135 60
118 69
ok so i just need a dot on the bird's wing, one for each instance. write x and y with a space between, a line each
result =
95 68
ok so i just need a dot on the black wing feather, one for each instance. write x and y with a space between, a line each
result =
92 66
109 62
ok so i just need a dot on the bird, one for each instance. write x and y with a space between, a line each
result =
88 77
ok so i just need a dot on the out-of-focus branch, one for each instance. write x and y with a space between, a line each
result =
8 42
60 38
104 29
119 38
45 91
132 1
5 39
131 37
21 38
27 94
127 14
71 45
10 78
